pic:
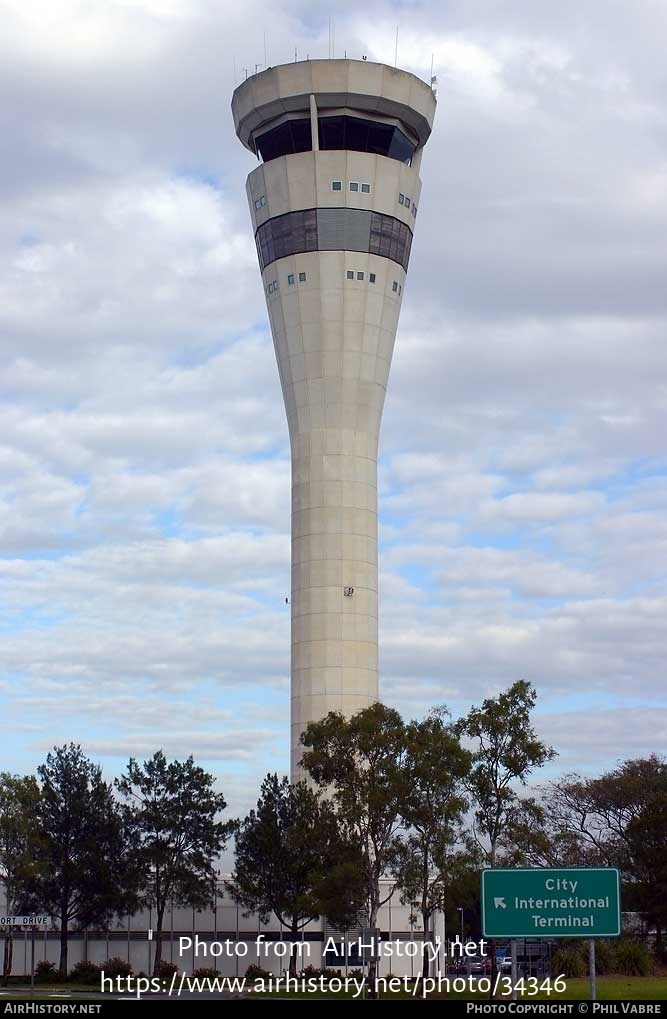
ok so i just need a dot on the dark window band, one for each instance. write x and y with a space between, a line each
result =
353 133
333 230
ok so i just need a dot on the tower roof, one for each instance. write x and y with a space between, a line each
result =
360 85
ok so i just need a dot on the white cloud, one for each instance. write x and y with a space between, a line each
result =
144 476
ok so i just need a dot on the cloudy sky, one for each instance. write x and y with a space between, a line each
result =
144 456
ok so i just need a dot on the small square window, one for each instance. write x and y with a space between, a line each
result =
414 209
401 199
257 203
360 275
400 288
269 289
302 277
366 189
371 277
262 200
336 185
290 279
354 185
275 284
395 286
350 274
407 201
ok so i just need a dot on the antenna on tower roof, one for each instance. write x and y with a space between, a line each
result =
396 49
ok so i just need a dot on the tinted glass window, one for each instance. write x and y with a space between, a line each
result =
294 136
353 133
333 230
332 132
364 136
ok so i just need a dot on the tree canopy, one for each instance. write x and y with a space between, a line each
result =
170 811
293 859
81 871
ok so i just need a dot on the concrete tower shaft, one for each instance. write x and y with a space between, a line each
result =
333 206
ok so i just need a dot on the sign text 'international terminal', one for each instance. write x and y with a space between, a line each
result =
546 902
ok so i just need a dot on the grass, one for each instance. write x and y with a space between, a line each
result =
613 988
609 988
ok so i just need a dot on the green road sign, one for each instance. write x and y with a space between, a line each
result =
541 902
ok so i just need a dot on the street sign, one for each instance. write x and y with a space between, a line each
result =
554 902
25 921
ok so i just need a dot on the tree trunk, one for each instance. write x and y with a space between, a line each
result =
293 950
64 935
427 940
158 939
372 965
7 958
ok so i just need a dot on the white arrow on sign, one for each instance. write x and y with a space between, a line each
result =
499 903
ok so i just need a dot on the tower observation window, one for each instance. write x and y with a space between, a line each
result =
365 136
292 136
353 133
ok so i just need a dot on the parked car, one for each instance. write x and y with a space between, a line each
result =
480 964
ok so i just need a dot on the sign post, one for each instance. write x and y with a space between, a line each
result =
513 972
27 923
551 902
591 969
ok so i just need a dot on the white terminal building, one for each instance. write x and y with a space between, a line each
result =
334 203
244 940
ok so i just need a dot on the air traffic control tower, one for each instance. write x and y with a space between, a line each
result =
334 204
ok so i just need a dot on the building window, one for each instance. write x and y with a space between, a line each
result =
302 277
336 185
292 136
414 209
360 275
354 185
259 202
395 286
350 274
400 289
401 199
371 277
343 229
361 135
366 189
290 279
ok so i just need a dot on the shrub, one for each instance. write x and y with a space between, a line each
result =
46 972
86 973
569 961
117 967
207 973
315 971
605 958
632 959
255 972
166 969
